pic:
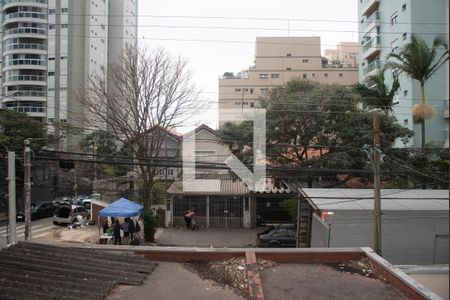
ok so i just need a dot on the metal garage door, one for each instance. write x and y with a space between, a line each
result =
226 212
180 207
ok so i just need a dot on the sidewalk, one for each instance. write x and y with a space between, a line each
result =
212 237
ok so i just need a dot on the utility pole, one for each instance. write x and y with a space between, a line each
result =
298 220
12 196
376 182
27 188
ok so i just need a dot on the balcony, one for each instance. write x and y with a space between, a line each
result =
28 62
25 78
372 47
371 22
17 94
28 109
446 109
369 7
26 30
372 67
25 46
25 14
11 3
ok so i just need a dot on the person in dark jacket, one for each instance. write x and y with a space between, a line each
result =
131 228
116 230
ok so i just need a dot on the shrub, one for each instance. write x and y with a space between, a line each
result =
150 225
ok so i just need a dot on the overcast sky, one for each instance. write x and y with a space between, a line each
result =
184 28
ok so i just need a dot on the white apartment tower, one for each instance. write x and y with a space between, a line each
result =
50 47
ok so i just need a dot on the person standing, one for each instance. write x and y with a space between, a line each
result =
187 219
131 228
116 231
126 231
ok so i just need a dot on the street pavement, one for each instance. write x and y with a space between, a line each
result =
39 229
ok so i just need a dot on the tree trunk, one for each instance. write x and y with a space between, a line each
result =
422 101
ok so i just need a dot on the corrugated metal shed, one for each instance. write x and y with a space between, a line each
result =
391 199
36 271
414 223
219 187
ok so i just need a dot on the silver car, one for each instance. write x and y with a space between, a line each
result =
67 214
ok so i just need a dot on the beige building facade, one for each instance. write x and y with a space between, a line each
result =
277 61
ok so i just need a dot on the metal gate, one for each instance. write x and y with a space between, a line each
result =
181 205
226 212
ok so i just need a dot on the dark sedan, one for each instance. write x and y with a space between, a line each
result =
277 237
38 211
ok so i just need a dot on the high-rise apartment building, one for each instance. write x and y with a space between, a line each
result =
279 60
385 26
50 47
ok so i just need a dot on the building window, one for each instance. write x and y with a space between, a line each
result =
288 54
274 75
405 35
305 60
263 76
50 120
63 89
51 26
326 75
51 11
252 104
64 10
51 73
305 76
51 58
405 93
404 7
341 75
237 90
288 69
251 91
63 120
64 25
394 19
405 122
51 89
313 75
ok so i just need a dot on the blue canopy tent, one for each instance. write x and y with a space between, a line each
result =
121 208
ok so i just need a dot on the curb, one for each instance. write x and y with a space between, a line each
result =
255 290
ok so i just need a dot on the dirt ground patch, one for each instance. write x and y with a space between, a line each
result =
361 267
228 273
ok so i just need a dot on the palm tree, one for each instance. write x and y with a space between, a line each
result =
418 61
375 93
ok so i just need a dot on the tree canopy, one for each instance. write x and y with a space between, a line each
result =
316 125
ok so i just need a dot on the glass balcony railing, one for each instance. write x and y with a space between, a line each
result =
25 46
28 94
24 14
34 62
20 30
28 109
376 64
25 78
373 17
21 1
374 41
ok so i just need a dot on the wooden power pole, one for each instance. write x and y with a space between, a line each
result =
376 182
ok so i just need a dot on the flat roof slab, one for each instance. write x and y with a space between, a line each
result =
308 281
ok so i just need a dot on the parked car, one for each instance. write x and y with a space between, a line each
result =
277 237
88 200
62 200
38 211
78 200
67 214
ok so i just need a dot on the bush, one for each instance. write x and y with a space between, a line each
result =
150 225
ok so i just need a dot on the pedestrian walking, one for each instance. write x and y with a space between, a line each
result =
193 222
116 231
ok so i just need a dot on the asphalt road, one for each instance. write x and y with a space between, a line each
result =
39 228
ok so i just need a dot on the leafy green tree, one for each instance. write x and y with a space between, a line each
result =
376 94
316 125
418 61
150 225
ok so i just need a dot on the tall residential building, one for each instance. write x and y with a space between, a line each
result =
385 26
279 60
50 47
